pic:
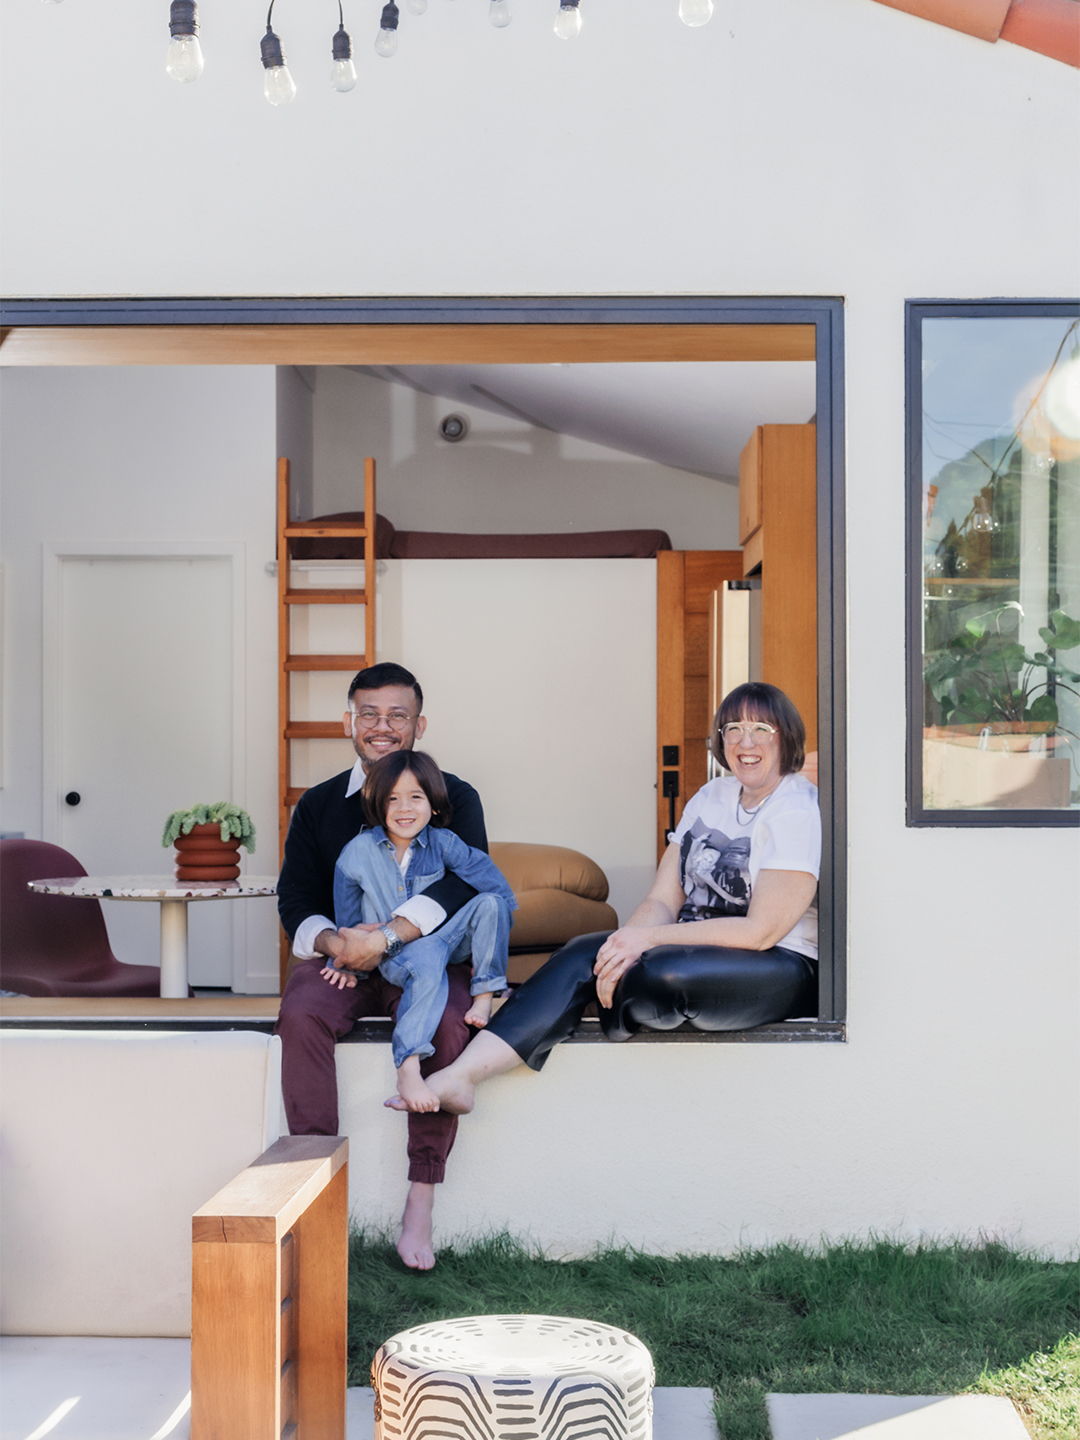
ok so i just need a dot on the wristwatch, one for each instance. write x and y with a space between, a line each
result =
394 943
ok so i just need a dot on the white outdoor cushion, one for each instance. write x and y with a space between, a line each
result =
109 1140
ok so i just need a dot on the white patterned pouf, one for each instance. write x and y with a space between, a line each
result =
505 1377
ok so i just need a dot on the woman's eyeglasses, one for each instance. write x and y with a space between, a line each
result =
757 731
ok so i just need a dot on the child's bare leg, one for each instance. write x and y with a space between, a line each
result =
454 1087
479 1012
415 1245
413 1090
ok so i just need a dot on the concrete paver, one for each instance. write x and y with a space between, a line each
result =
894 1417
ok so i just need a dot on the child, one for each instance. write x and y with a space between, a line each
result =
405 851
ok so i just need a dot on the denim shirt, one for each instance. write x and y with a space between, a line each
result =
368 884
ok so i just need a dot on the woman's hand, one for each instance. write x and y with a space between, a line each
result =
619 951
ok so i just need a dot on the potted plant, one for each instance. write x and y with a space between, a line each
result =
1000 721
208 839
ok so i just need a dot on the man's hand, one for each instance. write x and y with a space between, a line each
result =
619 951
362 947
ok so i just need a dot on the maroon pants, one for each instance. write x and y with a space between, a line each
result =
314 1015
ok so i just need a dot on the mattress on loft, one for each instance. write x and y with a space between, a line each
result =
392 544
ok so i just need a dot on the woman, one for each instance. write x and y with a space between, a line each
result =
727 936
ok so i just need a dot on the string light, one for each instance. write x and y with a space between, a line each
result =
278 85
184 61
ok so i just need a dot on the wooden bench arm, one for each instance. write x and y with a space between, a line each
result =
263 1203
269 1282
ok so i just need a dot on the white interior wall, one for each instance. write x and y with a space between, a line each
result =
841 148
295 433
144 456
539 681
506 476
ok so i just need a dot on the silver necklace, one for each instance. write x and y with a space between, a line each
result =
750 814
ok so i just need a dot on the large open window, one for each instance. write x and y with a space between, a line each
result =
416 332
994 564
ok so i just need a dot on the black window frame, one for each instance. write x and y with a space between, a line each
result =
916 311
825 313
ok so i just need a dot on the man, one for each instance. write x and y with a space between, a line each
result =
383 715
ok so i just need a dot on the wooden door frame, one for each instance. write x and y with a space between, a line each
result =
308 331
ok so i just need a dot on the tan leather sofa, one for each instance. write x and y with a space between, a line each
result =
560 893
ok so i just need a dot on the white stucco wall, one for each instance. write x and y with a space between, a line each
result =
839 148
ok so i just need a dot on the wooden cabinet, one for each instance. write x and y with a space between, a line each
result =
685 583
778 533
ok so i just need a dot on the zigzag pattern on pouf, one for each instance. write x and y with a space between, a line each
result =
513 1377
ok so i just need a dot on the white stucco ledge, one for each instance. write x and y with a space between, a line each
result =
894 1417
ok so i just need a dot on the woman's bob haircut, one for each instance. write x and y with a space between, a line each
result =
384 775
758 701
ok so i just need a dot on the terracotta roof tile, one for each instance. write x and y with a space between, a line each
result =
1051 27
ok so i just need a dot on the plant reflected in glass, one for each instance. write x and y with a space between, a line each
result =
1001 563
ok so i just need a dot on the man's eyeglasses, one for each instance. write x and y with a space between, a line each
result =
396 719
757 731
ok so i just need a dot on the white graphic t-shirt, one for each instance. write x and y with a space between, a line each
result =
723 848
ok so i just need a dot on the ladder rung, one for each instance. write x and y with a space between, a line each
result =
314 730
309 527
325 662
292 795
325 597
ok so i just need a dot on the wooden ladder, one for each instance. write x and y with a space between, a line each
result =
288 728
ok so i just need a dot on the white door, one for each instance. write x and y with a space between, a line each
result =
144 726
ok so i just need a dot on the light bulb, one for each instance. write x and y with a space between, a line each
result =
982 522
343 75
184 60
416 7
499 13
278 86
695 12
342 71
386 41
568 21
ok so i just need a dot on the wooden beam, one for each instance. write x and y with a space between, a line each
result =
398 344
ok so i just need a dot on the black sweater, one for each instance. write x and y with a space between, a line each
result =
322 825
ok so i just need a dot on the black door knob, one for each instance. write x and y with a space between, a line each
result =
72 797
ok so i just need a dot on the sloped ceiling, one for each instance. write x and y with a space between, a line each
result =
694 416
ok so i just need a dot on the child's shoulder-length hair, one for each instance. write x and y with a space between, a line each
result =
384 775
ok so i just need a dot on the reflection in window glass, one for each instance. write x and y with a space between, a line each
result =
1001 563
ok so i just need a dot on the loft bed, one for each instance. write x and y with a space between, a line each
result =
393 544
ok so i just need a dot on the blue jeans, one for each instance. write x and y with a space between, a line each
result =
480 928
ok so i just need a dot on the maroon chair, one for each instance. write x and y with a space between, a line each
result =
51 944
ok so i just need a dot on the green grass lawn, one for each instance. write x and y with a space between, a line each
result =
880 1317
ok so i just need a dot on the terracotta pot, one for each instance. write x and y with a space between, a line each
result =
203 855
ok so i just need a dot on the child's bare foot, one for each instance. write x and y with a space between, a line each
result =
413 1089
479 1012
414 1245
453 1094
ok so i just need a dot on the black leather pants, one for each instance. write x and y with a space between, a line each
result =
712 987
